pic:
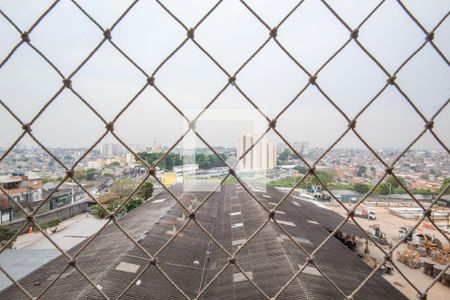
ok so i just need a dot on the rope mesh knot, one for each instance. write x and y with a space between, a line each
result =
273 32
25 37
26 128
107 34
70 173
110 126
151 81
391 80
273 123
67 83
190 33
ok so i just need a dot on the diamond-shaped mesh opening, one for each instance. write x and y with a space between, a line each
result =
237 39
381 25
190 70
117 81
319 37
428 91
361 80
76 41
21 79
62 115
393 101
303 112
146 21
147 221
271 75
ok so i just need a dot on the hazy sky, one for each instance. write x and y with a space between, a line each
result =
231 34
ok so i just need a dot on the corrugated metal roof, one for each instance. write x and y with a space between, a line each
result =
192 259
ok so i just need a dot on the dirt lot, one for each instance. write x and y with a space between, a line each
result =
390 224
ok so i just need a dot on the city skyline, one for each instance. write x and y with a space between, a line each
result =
189 79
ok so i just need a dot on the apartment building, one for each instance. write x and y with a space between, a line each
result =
263 156
25 190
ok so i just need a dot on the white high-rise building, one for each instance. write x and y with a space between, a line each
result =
110 150
263 156
281 147
301 147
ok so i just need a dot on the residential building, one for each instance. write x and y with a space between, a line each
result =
109 150
25 190
301 147
67 193
262 156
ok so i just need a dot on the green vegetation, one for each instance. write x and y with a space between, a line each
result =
46 180
91 174
286 156
391 186
301 169
133 203
361 171
204 161
113 164
361 188
145 191
285 182
119 192
51 223
5 235
326 176
341 186
97 211
444 185
388 186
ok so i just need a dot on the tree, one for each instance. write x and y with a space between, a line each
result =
361 171
301 169
91 174
146 190
361 188
133 203
326 176
46 180
394 185
444 185
285 155
123 188
169 162
113 164
80 174
383 189
98 212
5 235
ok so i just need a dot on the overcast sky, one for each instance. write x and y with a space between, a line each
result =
231 34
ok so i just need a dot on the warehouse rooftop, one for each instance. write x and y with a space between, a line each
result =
192 259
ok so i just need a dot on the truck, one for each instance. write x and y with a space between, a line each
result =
365 212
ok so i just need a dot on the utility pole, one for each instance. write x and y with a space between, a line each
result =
390 192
